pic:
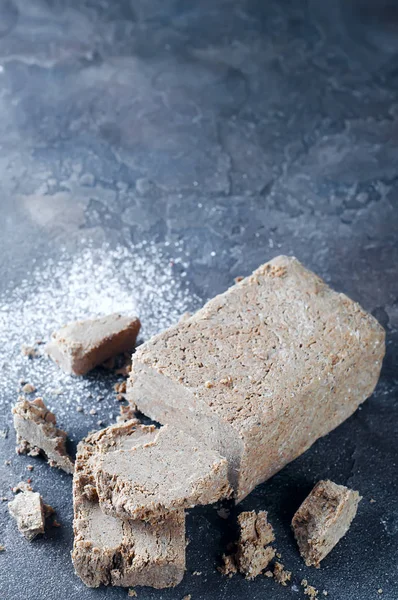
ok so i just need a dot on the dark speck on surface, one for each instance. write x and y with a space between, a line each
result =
199 139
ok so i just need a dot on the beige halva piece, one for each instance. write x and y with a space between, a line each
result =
82 345
29 511
323 519
261 371
37 433
147 472
111 551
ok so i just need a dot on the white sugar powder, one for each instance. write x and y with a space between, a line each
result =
137 280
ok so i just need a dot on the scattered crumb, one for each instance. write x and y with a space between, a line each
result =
197 573
28 388
372 500
100 423
132 593
48 510
56 523
57 392
120 387
278 555
223 513
228 381
324 593
7 463
29 351
29 480
4 499
238 278
208 384
79 409
127 412
93 411
120 397
22 486
4 433
280 575
309 590
100 398
187 597
268 574
379 591
30 467
2 548
228 568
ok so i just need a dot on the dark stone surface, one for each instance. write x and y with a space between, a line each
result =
243 129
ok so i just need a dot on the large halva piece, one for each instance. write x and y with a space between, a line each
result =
263 370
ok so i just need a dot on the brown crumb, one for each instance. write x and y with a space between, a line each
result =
93 411
309 590
238 278
228 568
187 597
55 523
127 412
120 397
280 575
228 381
2 548
30 467
29 351
120 387
28 388
132 593
22 486
208 384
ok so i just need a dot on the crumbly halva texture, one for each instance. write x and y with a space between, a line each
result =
261 371
82 345
37 433
164 470
309 590
28 510
323 519
111 551
254 553
280 574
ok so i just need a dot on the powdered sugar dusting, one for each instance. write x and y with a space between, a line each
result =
138 280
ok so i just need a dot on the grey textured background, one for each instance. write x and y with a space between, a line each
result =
248 128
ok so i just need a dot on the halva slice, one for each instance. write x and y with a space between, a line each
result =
164 470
